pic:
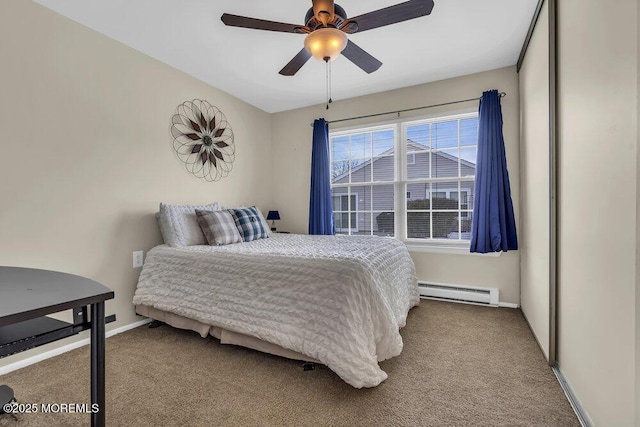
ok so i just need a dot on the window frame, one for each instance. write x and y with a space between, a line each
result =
349 212
400 181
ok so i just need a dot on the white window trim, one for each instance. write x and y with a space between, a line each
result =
456 249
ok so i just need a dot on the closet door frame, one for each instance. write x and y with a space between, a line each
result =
552 158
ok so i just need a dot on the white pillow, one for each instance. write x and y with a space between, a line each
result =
265 224
179 224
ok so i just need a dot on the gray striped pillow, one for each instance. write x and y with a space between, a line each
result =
219 227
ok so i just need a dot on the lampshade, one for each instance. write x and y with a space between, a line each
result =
273 215
325 43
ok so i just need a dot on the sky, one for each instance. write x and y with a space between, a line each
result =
436 136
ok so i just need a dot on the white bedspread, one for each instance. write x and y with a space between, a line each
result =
337 299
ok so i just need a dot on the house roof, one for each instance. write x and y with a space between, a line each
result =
417 147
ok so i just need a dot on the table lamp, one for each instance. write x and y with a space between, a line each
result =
273 216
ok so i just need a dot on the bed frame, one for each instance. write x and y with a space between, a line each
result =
225 336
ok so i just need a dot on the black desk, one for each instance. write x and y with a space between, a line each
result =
28 295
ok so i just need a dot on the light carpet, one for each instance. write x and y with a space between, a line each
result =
462 365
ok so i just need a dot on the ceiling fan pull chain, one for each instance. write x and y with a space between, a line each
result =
328 73
330 100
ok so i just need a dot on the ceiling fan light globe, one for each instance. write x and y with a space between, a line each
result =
325 43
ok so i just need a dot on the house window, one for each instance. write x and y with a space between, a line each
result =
411 159
344 217
435 174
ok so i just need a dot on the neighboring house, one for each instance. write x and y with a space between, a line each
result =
370 207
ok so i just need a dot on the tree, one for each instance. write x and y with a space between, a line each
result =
344 166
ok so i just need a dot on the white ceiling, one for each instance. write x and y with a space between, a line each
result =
459 37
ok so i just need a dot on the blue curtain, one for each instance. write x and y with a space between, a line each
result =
320 209
493 228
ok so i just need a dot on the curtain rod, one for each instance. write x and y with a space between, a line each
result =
502 94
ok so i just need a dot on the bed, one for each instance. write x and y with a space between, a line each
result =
336 300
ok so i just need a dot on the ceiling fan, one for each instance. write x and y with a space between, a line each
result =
327 26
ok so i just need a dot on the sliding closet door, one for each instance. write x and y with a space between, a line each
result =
535 205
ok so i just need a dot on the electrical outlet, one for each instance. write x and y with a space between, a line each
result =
138 259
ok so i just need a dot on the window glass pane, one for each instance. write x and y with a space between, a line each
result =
422 203
383 168
360 171
336 198
417 191
340 222
363 223
361 146
468 161
465 228
469 186
445 163
441 195
383 197
444 224
340 172
361 198
339 148
383 142
418 225
469 131
420 169
445 134
384 224
418 137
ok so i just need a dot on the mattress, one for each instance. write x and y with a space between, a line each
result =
340 300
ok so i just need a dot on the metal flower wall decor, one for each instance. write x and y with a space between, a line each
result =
203 140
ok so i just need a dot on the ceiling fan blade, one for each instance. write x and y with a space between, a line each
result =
393 14
362 59
259 24
296 63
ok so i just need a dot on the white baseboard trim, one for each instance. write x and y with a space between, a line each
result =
583 417
65 348
508 305
500 304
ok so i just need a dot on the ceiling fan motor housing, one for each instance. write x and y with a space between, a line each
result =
313 22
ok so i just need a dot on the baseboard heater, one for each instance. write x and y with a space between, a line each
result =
456 293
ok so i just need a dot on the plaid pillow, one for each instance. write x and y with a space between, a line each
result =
249 224
219 227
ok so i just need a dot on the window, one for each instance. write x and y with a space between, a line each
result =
411 158
424 195
344 218
363 176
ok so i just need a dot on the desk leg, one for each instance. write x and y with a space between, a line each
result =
97 364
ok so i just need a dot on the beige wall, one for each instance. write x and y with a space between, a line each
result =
291 136
597 195
85 150
534 184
